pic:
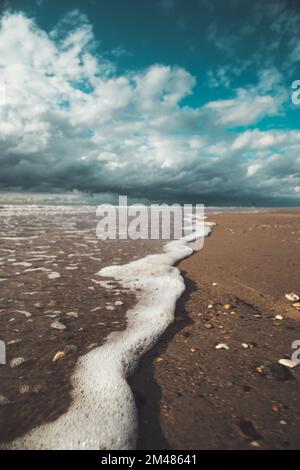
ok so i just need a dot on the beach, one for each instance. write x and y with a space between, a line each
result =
78 320
194 396
54 307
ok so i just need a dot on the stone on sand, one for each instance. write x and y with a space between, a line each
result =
276 371
58 325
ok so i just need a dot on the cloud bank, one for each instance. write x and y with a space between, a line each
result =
69 121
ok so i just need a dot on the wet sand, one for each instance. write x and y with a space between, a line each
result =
52 301
193 396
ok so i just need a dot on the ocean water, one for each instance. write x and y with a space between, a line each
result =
46 245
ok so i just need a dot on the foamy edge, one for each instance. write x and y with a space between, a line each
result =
103 413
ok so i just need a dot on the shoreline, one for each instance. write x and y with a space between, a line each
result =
155 409
197 397
54 310
105 397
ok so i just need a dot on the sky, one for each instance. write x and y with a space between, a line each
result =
159 100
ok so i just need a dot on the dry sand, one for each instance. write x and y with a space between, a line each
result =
194 396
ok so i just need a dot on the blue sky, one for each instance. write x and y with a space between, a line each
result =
163 99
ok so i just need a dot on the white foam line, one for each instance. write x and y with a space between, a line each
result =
103 413
19 238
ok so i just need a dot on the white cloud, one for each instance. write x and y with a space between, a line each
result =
259 140
252 169
247 108
71 122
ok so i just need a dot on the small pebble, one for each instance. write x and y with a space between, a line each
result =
70 348
255 444
248 430
279 317
277 371
276 407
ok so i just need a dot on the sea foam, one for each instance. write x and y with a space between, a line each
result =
103 413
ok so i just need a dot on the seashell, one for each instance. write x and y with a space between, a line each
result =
287 363
72 314
58 355
24 389
17 361
222 346
157 360
58 325
292 297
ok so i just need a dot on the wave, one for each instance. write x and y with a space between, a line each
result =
103 413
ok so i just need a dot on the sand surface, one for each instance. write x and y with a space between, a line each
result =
190 395
193 396
53 302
